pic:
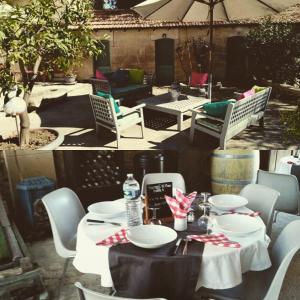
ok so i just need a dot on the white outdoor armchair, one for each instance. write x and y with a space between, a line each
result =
105 116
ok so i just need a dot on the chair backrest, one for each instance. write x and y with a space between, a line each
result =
263 199
100 85
249 106
197 78
284 249
286 185
152 178
86 294
65 212
104 111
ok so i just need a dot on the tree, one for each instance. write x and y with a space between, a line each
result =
39 37
274 51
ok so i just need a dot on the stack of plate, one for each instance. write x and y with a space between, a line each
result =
227 202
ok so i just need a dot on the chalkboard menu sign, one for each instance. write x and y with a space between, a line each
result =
156 198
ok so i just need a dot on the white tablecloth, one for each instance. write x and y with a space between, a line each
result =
285 164
221 267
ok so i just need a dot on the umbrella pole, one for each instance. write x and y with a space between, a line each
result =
211 41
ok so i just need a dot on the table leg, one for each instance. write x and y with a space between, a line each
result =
179 122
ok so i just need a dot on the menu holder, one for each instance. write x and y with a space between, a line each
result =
155 198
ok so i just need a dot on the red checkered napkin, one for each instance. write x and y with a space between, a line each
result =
252 214
215 239
181 204
118 237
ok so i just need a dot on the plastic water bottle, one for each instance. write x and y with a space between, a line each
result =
131 189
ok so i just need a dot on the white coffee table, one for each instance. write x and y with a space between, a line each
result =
163 103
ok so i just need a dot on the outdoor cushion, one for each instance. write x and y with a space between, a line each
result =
120 78
217 109
198 79
111 98
247 94
136 76
100 75
258 89
211 124
128 88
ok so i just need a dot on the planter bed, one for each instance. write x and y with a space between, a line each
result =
42 139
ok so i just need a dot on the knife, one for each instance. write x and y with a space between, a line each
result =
177 245
96 222
185 249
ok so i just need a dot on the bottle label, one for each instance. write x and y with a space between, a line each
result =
131 194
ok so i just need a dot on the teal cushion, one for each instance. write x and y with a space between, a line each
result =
111 98
217 109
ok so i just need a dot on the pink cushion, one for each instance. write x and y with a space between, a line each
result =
100 75
198 78
247 94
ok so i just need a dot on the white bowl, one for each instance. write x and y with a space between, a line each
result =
238 225
151 236
107 209
227 201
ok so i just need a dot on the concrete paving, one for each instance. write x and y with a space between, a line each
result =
44 254
72 116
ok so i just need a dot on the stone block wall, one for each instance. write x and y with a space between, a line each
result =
136 48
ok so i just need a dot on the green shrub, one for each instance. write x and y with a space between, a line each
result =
292 123
274 52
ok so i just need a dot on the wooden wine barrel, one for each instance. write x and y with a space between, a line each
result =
233 169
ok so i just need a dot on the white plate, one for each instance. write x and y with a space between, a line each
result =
227 201
151 236
107 209
238 225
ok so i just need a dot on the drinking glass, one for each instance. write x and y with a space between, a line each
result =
205 222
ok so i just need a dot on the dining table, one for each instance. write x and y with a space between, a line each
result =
221 267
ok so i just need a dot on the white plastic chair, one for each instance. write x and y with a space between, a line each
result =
263 199
86 294
287 186
65 212
152 178
267 285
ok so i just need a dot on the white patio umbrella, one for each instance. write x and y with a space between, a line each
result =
210 10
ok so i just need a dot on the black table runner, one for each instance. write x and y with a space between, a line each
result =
149 273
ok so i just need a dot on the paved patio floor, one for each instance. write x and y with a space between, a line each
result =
72 116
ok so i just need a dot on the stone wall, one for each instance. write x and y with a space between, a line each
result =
136 48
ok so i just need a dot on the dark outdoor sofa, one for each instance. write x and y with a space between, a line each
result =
130 90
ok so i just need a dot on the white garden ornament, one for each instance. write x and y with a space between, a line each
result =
14 107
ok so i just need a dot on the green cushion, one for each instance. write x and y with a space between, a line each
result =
211 124
111 98
217 109
136 76
258 89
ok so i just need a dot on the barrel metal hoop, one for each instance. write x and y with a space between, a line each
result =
233 156
231 182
